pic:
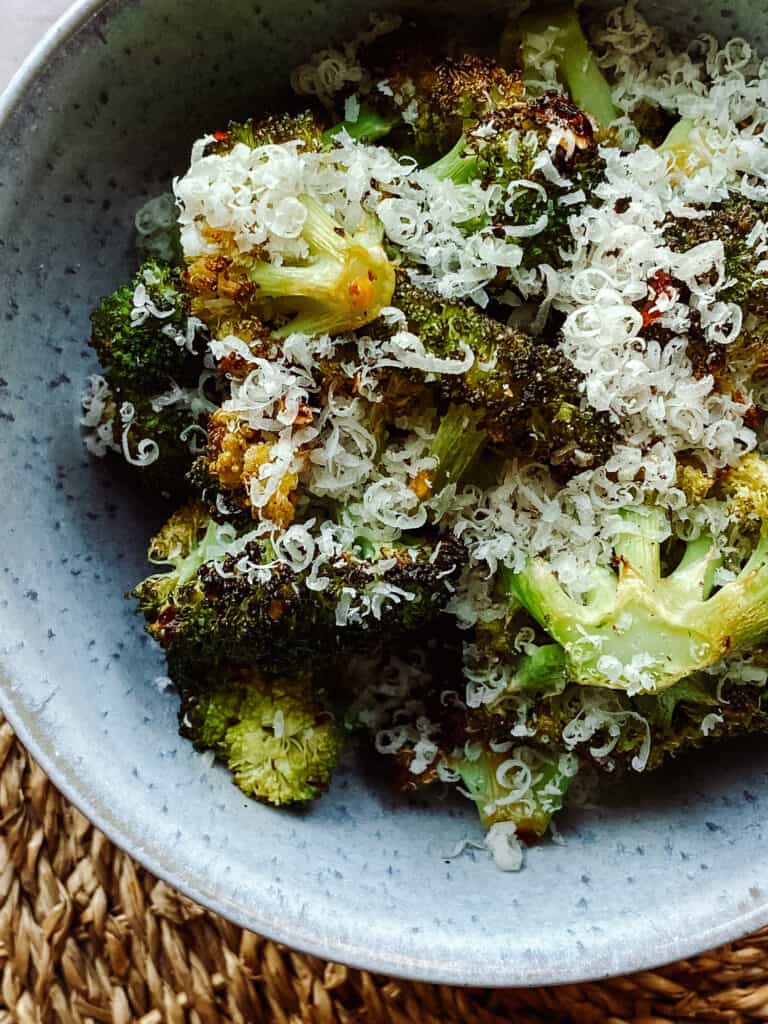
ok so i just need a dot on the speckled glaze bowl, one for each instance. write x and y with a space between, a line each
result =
99 118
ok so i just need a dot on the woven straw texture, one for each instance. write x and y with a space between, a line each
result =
86 935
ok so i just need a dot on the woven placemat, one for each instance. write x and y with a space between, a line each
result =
86 935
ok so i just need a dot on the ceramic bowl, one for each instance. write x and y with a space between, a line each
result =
99 118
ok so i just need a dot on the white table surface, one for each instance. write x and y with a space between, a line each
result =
24 22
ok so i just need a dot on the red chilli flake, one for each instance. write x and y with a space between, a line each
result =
661 285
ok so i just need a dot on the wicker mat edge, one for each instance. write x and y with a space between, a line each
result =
86 935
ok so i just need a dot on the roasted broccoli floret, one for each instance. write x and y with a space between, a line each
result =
639 631
555 34
744 487
153 402
145 336
528 392
274 130
608 729
517 149
159 440
274 734
431 736
227 474
733 223
233 599
437 95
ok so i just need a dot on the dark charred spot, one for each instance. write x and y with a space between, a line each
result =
753 418
235 366
166 616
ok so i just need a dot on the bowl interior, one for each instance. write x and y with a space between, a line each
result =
359 877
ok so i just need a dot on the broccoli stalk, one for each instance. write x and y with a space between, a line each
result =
576 64
459 165
456 446
687 151
369 126
344 283
523 785
639 631
274 734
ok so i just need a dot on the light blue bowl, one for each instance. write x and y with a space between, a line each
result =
100 117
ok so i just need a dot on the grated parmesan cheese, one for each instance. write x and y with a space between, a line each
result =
507 850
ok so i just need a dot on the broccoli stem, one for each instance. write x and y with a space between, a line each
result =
459 164
542 671
369 127
344 283
548 777
684 146
740 609
456 446
638 550
679 135
576 63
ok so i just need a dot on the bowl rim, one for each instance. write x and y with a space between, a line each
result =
714 928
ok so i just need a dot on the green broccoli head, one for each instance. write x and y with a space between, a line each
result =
745 489
733 222
608 729
433 735
437 95
179 537
233 599
640 631
527 391
507 148
144 335
273 130
274 734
